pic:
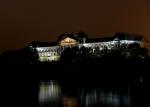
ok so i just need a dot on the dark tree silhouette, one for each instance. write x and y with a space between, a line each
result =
122 54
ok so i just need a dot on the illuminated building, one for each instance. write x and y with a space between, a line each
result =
52 51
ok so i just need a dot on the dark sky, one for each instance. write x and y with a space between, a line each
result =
22 21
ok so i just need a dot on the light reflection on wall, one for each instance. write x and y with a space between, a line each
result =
49 91
102 98
106 99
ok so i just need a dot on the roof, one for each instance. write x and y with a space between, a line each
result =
127 36
65 35
105 39
73 35
78 35
119 36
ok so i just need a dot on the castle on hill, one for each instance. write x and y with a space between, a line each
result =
52 51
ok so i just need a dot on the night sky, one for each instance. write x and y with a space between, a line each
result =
22 21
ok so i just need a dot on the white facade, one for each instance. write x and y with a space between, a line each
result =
48 53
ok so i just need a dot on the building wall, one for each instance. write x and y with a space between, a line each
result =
53 53
48 53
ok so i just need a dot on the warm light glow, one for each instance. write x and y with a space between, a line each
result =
68 41
49 91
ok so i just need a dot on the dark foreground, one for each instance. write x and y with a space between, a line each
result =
21 83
